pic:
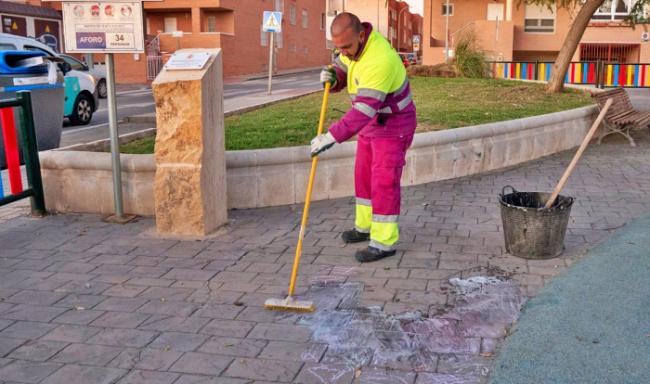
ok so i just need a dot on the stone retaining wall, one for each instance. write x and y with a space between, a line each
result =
78 181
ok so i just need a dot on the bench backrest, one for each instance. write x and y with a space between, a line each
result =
620 104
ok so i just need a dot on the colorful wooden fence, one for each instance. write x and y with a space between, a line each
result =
626 75
595 73
21 140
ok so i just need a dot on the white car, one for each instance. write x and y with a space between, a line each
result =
81 93
98 73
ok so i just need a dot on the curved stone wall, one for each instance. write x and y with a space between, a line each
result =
77 181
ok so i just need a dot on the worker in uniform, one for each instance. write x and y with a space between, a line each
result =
383 118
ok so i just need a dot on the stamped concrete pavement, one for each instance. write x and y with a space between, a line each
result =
90 302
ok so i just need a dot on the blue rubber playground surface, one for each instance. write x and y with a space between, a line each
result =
590 325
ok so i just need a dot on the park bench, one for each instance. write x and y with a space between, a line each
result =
621 117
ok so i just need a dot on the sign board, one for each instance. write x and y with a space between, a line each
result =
47 32
416 39
188 60
14 25
416 46
105 26
272 21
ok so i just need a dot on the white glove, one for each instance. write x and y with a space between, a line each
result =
328 74
322 143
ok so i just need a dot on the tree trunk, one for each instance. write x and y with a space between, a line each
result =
556 84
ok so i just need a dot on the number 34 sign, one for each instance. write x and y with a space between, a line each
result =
109 27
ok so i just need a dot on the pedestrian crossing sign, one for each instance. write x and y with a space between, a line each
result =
272 21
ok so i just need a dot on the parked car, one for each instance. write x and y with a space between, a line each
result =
405 60
98 73
409 57
81 94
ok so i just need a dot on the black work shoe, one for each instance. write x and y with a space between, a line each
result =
372 254
354 236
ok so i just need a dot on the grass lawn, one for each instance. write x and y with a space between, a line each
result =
442 103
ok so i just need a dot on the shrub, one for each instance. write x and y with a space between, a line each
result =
470 60
438 70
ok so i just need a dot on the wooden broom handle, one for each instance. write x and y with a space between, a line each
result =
578 154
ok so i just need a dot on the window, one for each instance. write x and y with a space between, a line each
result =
323 21
264 37
279 5
212 24
37 49
495 11
170 24
449 11
539 19
74 63
613 10
278 40
305 19
393 15
292 14
7 47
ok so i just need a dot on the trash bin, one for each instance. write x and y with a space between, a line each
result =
47 99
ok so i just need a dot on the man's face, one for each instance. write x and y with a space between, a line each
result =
348 42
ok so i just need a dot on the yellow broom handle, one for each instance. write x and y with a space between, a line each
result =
310 185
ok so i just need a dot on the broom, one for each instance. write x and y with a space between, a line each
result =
289 303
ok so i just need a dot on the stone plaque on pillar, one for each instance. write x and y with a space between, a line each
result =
190 184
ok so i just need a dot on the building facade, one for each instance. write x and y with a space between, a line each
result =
391 18
27 20
529 32
235 26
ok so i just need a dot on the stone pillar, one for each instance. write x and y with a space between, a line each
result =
190 183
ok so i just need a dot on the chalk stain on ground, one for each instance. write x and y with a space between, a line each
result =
441 348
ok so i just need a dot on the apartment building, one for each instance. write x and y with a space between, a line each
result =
529 32
235 26
391 18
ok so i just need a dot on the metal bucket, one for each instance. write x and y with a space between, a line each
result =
530 230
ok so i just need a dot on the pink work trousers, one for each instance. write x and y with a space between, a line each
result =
378 169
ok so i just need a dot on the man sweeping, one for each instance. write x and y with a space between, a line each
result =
383 118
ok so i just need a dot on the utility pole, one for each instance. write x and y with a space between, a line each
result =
446 32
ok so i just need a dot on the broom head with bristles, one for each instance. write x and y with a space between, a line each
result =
289 304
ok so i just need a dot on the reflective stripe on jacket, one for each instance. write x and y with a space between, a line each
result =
376 80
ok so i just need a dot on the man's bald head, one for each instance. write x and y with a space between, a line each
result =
346 20
347 34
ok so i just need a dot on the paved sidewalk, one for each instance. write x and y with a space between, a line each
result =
89 302
240 104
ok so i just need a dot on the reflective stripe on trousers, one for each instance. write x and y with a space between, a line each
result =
378 169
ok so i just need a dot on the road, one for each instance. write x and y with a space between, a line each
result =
140 101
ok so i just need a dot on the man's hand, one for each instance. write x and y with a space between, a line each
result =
328 74
322 143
